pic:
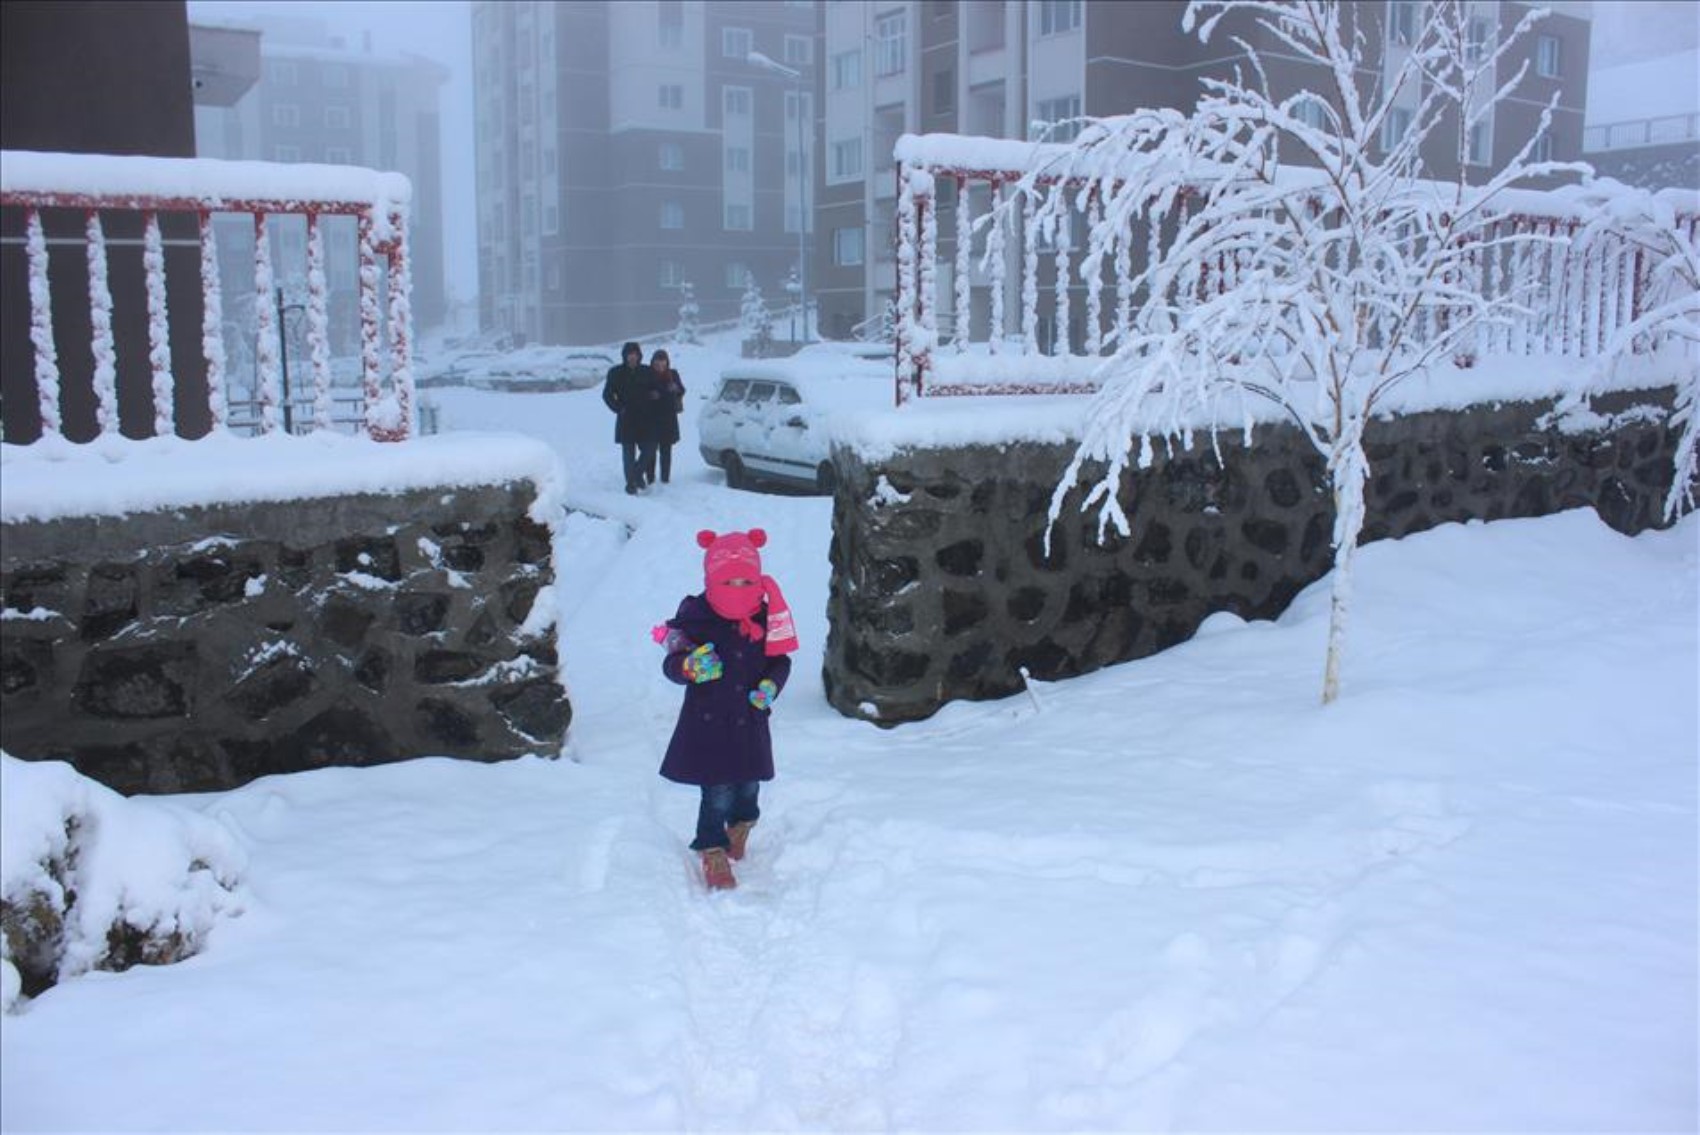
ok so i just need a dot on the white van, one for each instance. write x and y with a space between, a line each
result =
771 421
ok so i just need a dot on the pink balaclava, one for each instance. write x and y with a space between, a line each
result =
736 556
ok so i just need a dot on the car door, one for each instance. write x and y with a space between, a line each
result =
798 447
752 431
717 424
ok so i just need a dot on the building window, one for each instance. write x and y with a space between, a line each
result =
286 153
550 166
737 275
738 218
799 49
735 101
1058 16
286 114
1480 150
944 91
1543 149
551 221
1312 112
672 215
672 274
737 159
336 117
672 96
282 72
1547 56
891 43
1476 38
847 70
335 75
1395 126
670 28
848 246
847 159
1057 120
736 43
1402 20
339 155
671 156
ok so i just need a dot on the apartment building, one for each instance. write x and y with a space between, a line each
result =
321 100
625 148
998 67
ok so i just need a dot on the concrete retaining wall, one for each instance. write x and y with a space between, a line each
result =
942 590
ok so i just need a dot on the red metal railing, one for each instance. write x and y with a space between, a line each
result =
98 185
1573 296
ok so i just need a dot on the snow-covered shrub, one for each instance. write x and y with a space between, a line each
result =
90 879
686 332
1649 223
755 322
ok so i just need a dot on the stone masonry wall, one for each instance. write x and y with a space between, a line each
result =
942 590
196 650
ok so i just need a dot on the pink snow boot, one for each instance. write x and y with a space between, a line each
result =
716 872
739 834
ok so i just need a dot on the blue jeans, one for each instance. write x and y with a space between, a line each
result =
638 460
722 806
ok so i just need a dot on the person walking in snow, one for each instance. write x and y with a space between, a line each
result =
666 420
729 648
629 391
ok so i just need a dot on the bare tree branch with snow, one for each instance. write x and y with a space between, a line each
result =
1305 260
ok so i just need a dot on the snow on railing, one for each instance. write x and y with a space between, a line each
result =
1573 296
98 184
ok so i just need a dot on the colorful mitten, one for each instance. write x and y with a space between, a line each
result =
762 696
702 664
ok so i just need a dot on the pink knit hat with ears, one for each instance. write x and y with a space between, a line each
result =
737 555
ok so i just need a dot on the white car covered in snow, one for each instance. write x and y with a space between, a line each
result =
771 421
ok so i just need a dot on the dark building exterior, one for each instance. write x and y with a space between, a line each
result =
994 67
626 148
101 77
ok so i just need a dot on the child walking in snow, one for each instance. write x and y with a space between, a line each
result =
728 647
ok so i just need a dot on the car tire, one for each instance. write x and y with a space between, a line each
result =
735 475
826 479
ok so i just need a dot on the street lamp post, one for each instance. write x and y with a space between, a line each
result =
796 76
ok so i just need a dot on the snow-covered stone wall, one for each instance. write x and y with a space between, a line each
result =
942 589
197 648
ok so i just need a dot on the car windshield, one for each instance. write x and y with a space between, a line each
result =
734 389
761 391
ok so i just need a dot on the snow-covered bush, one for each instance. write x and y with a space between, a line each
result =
686 332
1296 251
755 322
1670 320
90 879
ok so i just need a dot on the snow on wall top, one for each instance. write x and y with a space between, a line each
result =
208 181
937 423
113 476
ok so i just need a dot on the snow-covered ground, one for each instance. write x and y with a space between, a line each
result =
1175 894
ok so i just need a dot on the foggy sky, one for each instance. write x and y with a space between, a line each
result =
1624 31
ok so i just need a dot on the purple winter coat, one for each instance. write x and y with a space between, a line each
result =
720 738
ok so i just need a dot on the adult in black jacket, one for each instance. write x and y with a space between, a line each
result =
630 391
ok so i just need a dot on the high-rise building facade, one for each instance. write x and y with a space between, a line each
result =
626 148
999 67
318 100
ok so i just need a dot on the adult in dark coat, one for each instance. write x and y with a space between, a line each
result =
629 391
667 412
729 648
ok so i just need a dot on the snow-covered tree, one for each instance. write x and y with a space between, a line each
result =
1295 250
1670 318
686 331
754 320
